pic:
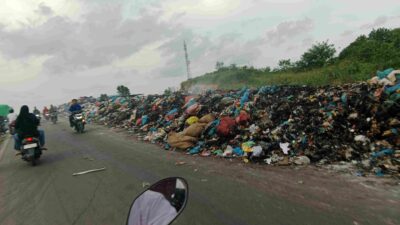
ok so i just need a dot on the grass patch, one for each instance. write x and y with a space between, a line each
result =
344 72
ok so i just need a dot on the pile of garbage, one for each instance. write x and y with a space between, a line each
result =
278 125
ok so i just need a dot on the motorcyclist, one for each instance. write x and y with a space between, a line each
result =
27 125
53 109
4 111
74 108
36 111
45 112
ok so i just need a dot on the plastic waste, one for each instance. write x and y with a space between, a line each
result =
194 150
385 73
228 151
384 152
247 146
191 120
285 147
257 151
302 160
238 151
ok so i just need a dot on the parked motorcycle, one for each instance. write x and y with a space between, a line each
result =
160 204
30 150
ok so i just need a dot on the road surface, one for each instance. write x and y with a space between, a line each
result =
221 191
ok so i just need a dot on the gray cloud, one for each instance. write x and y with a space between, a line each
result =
100 38
346 33
307 42
44 10
205 52
378 22
289 29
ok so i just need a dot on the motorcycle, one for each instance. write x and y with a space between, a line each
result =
38 116
47 116
79 122
4 125
53 117
160 204
11 127
30 150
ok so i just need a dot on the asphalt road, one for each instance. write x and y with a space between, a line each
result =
221 191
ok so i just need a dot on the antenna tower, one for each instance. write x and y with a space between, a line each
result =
187 60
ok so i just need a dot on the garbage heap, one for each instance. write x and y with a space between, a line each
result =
279 125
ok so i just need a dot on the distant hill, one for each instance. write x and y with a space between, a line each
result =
317 66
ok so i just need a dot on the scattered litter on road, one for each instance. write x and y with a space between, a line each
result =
145 184
88 171
180 163
88 158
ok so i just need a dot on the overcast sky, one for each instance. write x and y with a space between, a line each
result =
53 50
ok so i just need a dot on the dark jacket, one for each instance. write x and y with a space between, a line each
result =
75 108
27 125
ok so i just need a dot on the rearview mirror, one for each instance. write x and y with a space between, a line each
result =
11 111
161 204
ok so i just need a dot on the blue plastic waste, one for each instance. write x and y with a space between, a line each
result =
191 102
385 73
145 120
387 151
245 98
194 150
379 172
172 112
390 90
212 131
268 90
238 151
344 98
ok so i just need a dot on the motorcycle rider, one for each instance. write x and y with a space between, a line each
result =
52 109
4 111
45 112
36 111
27 125
53 112
74 108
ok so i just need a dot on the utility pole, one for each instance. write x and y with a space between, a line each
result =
187 60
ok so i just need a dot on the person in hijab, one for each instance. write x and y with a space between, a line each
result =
26 125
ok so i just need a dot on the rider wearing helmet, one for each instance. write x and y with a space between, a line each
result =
74 108
27 125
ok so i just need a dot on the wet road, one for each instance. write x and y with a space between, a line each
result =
221 191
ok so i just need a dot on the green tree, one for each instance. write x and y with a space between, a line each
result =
168 91
232 66
123 91
319 55
219 65
267 69
381 35
379 48
103 97
285 65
